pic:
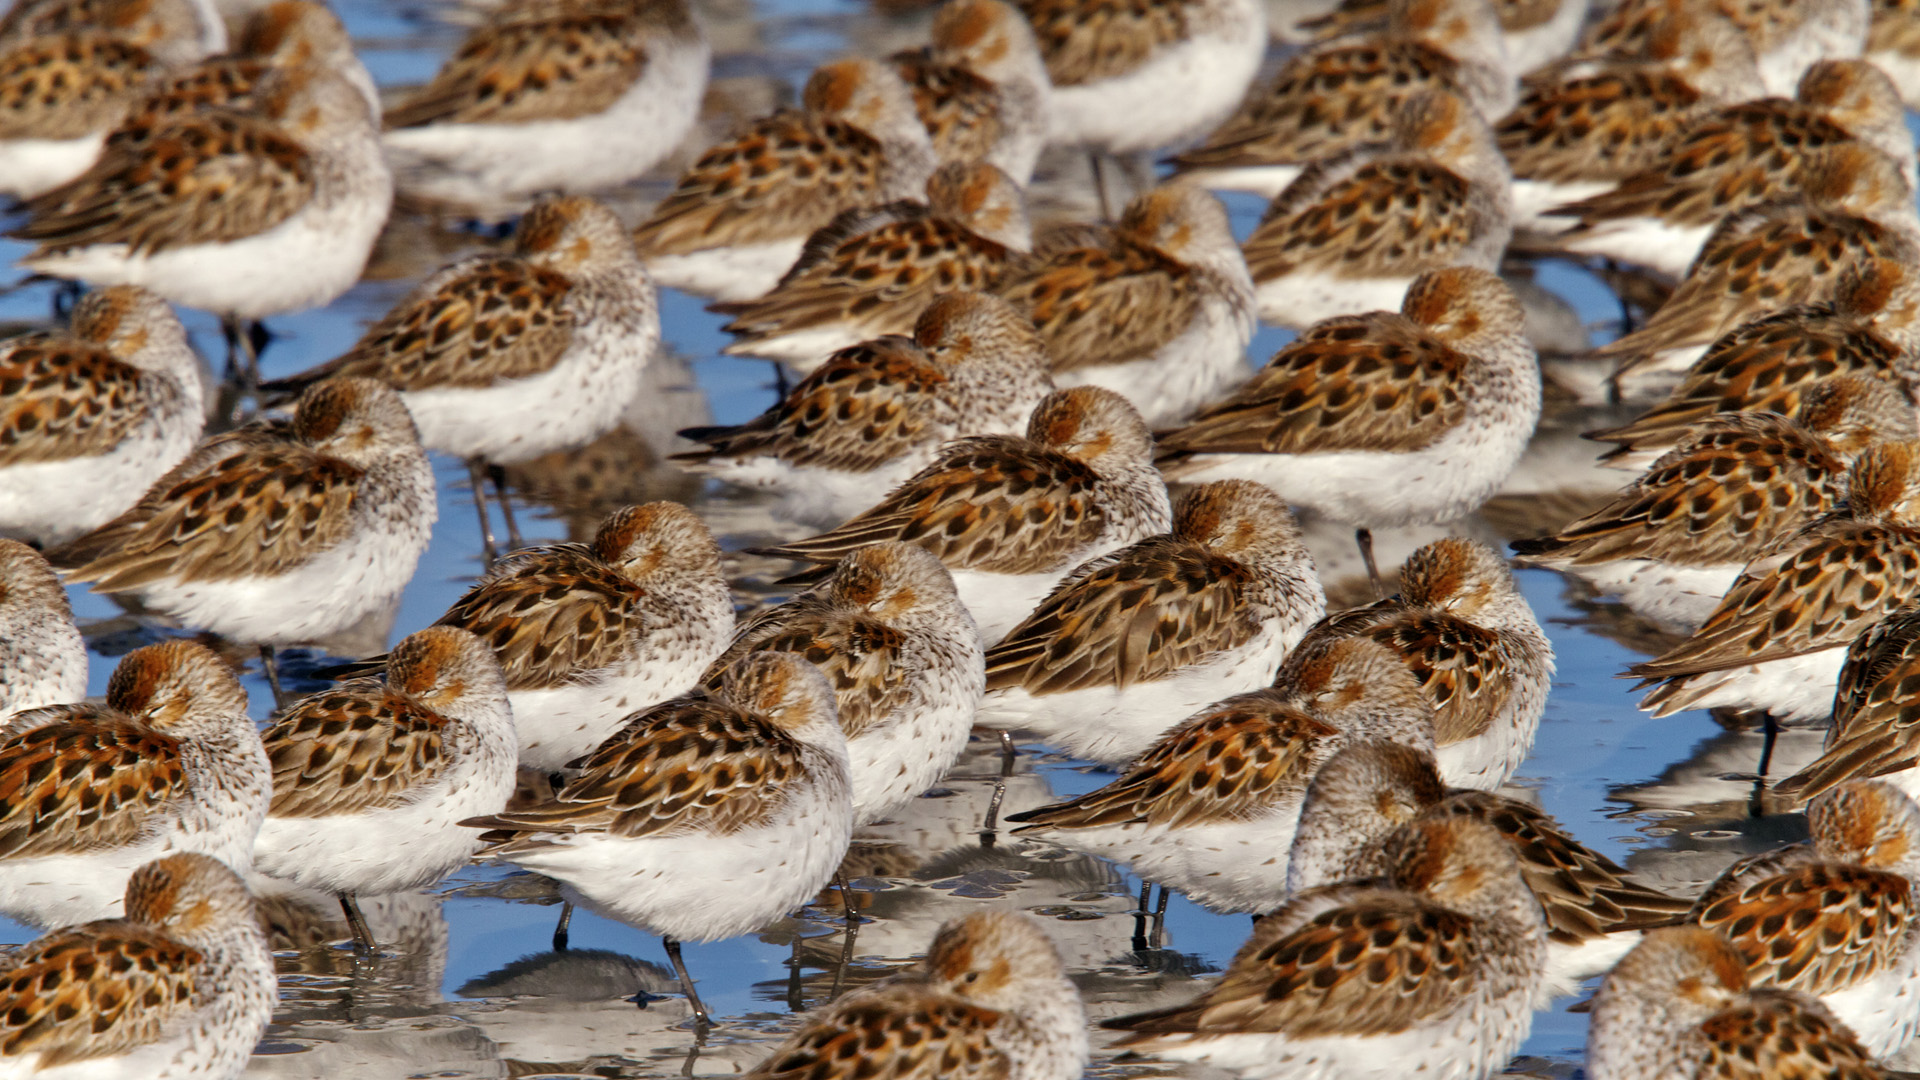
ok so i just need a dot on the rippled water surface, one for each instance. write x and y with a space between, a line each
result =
470 986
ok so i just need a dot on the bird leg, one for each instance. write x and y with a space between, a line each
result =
701 1020
853 930
1364 537
560 928
477 479
357 923
499 475
272 669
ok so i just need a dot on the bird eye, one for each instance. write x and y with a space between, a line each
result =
973 976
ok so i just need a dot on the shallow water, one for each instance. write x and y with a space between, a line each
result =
469 986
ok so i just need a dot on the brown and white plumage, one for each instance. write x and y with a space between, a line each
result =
1336 97
1461 625
279 531
1134 640
1851 204
1873 736
372 778
980 87
1778 637
1437 967
704 816
1594 907
1014 514
740 215
1583 126
1788 37
562 95
1353 231
1736 484
1159 308
1834 918
1447 393
1209 810
42 659
903 659
94 415
183 986
872 271
507 357
990 1000
1681 1005
1867 329
876 413
1742 156
169 763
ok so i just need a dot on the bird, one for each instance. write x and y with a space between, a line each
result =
1872 737
1354 231
183 986
990 998
569 96
1788 38
879 411
874 270
587 634
1596 910
1893 45
981 87
1744 155
1851 204
1461 625
1778 638
94 415
174 35
1334 97
703 817
245 214
68 86
170 763
1834 917
1346 979
372 778
1674 540
1680 1004
1137 79
1864 328
740 215
903 660
280 532
503 358
1159 308
1534 35
1582 127
1210 809
1443 397
1010 516
1134 640
43 661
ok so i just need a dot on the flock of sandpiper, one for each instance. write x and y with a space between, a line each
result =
989 418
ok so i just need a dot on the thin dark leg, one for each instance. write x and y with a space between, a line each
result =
357 923
560 928
1769 733
499 475
853 931
1100 185
1140 916
780 383
700 1018
796 1001
477 479
1364 537
1008 754
1160 919
272 670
